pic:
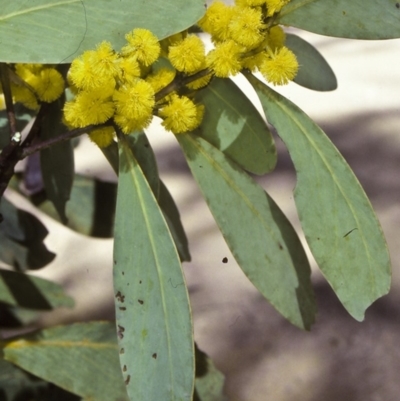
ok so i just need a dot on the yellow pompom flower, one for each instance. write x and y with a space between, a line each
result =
89 107
281 66
86 75
224 60
246 26
102 137
48 84
129 69
180 115
216 21
134 105
188 55
143 44
274 6
135 100
105 60
161 78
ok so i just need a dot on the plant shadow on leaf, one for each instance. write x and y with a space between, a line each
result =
233 125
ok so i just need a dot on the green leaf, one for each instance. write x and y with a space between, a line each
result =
152 306
57 162
233 125
21 239
48 31
81 358
314 72
18 289
173 219
91 207
140 147
258 234
18 385
165 200
340 226
356 19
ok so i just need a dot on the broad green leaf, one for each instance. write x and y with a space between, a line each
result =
152 306
49 31
355 19
81 358
340 226
21 239
258 234
233 125
19 289
57 162
314 72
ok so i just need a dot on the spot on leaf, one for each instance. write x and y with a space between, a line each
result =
120 332
225 260
140 301
120 297
127 380
154 356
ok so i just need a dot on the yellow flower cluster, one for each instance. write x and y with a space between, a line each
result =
36 83
245 37
122 85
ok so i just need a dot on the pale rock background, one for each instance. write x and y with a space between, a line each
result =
263 356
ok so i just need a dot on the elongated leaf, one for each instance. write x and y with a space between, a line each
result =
173 219
337 218
81 358
57 162
91 207
314 72
21 239
49 31
357 19
233 125
152 307
18 289
258 234
140 147
165 200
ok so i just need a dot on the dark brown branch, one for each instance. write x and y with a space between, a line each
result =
58 139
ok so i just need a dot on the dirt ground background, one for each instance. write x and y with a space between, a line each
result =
263 356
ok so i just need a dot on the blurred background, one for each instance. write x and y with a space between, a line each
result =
262 355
